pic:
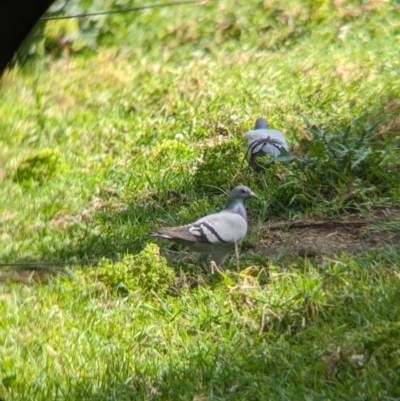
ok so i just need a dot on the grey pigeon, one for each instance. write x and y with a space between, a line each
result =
217 234
264 140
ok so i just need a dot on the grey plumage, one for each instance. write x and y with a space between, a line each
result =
264 140
217 234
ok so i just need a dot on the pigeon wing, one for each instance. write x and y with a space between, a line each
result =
223 228
220 228
265 141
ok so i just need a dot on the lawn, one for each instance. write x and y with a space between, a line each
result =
102 145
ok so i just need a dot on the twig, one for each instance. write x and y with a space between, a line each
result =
127 10
324 224
46 265
26 277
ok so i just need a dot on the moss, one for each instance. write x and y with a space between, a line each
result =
219 166
146 271
171 149
40 166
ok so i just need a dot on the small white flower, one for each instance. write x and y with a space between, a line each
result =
358 360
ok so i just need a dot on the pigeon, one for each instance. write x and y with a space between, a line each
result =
217 234
264 140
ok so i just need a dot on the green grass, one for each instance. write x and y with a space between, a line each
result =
90 161
72 339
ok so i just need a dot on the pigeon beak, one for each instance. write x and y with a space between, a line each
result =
253 195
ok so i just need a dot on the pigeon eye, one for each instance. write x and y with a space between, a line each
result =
243 191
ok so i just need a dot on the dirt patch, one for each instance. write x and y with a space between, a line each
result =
311 237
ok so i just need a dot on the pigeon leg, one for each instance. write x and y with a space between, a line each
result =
202 258
215 267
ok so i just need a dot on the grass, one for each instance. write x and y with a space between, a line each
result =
103 147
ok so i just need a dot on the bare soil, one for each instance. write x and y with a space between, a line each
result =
315 237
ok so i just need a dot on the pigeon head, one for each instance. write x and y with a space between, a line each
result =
239 195
261 123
